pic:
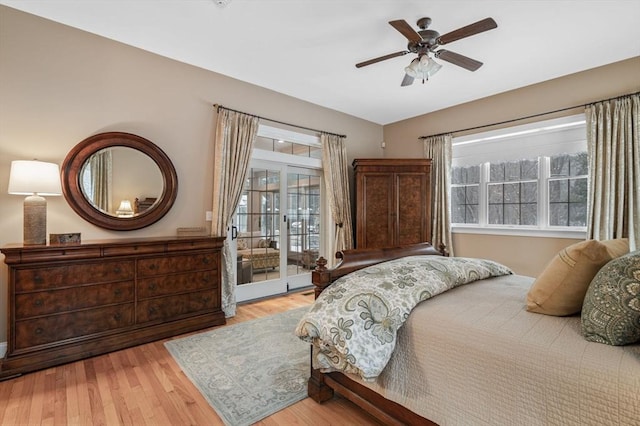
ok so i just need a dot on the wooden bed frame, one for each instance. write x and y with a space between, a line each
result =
322 386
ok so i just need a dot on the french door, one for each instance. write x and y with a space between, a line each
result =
277 229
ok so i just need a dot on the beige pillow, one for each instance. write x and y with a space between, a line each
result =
560 289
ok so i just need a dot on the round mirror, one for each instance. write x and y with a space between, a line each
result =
119 181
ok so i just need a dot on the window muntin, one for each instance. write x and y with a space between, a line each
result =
568 190
513 193
465 194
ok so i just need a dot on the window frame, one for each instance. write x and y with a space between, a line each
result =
543 229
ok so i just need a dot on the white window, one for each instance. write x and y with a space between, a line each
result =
530 179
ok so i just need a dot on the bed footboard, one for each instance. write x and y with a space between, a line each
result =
321 386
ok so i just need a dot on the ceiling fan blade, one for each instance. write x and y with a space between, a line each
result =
459 60
407 80
381 58
471 29
406 30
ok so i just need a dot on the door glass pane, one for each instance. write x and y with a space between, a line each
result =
303 217
257 219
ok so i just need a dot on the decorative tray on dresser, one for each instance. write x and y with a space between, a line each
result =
68 302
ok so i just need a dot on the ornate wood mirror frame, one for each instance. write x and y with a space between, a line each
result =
75 196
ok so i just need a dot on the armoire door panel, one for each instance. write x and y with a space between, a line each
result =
411 222
378 210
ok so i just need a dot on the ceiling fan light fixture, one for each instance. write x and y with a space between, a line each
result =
413 68
422 68
429 66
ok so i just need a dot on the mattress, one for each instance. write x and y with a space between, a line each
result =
475 356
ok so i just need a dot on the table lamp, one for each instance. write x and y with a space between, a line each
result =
34 179
125 209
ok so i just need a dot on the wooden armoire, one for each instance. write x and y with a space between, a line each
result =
393 202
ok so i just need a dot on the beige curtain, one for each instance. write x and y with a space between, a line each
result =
613 138
235 135
438 148
101 171
336 178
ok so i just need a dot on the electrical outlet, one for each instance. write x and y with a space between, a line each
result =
208 216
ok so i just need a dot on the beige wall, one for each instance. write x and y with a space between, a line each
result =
526 255
59 85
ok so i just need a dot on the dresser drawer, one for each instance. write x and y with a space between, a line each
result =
72 274
173 307
70 299
191 244
178 283
170 264
56 328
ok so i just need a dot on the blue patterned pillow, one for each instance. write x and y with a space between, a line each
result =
611 308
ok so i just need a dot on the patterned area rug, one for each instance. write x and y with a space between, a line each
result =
250 370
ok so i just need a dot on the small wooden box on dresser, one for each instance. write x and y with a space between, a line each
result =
68 302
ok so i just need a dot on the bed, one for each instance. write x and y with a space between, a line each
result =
474 355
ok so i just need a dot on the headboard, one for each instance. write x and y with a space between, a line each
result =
354 259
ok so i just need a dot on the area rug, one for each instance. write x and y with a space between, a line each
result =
250 370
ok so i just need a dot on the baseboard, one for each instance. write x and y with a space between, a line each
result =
3 349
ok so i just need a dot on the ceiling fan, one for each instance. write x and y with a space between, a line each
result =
425 42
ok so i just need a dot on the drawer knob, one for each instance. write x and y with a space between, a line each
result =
206 260
38 302
117 316
117 270
39 330
38 279
117 292
152 266
152 286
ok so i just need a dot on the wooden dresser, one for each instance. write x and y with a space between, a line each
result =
393 202
68 302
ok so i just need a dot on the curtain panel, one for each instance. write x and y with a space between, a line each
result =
235 135
613 142
336 177
438 149
101 166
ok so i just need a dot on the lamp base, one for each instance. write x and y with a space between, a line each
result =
35 220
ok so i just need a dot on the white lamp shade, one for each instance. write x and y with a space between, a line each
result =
412 69
34 177
423 67
125 209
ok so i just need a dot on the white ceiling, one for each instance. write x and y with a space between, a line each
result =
308 48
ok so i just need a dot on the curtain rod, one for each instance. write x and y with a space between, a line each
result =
527 117
219 107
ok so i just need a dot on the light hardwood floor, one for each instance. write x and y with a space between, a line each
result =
144 386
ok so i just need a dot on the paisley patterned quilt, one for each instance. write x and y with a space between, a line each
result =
353 323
